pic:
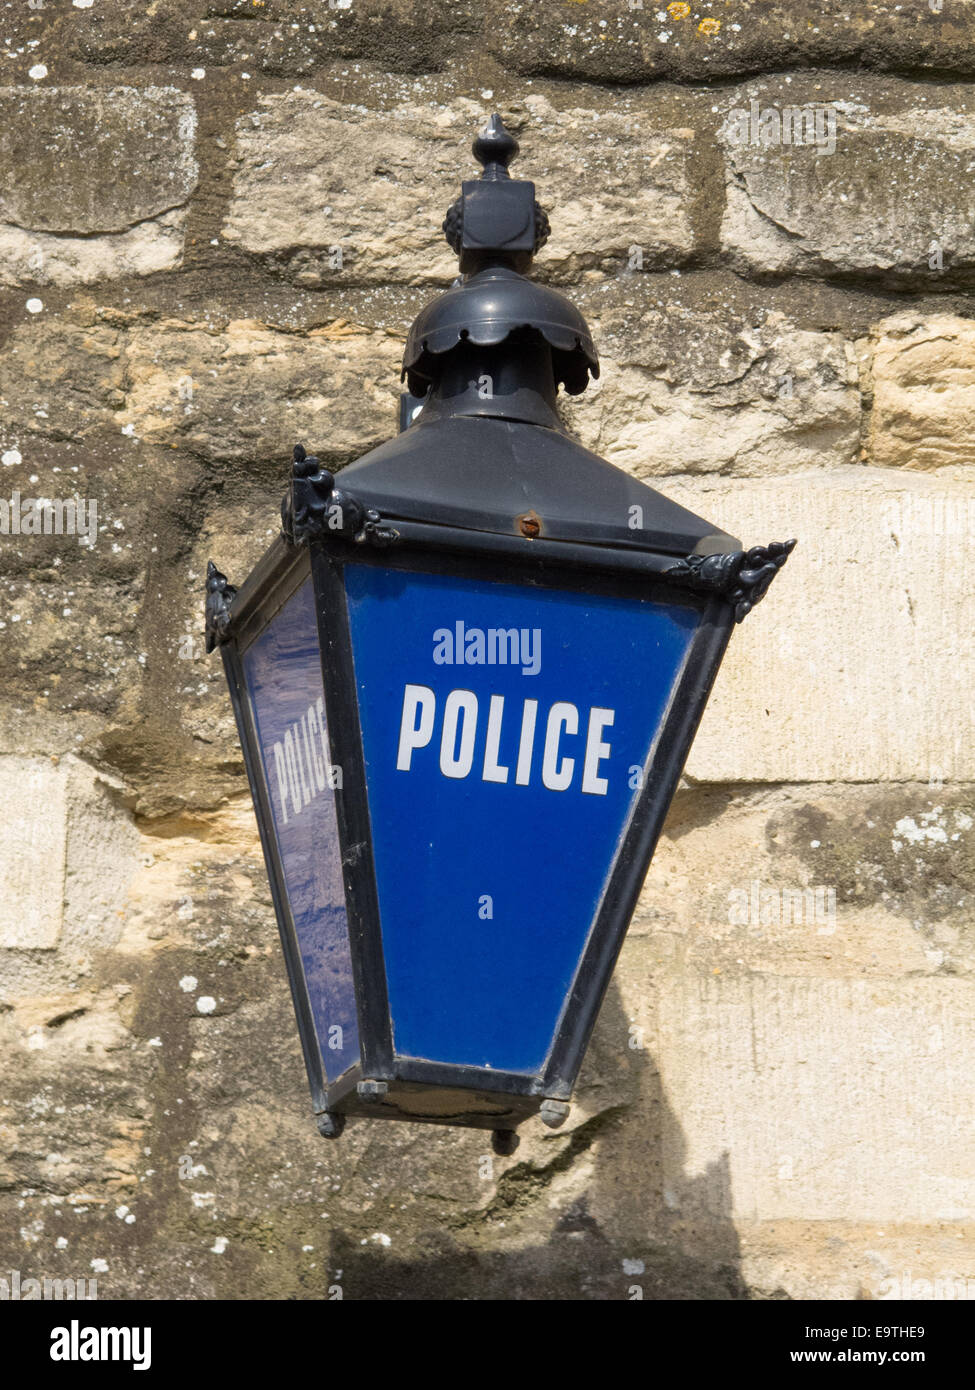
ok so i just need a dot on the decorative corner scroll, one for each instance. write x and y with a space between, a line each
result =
742 577
219 595
315 509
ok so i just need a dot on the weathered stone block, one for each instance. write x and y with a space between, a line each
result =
619 184
95 182
250 391
633 40
921 378
240 390
415 36
815 880
880 188
620 41
330 191
59 379
68 855
697 392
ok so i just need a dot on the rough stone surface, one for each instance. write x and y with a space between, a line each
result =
629 181
95 183
695 392
81 862
413 36
618 41
238 393
920 377
883 194
345 214
332 193
623 42
230 391
817 880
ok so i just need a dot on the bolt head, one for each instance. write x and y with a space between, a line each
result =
554 1113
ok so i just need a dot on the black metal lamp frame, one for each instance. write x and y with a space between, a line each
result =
382 1081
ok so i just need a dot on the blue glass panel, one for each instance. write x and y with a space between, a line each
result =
283 673
499 787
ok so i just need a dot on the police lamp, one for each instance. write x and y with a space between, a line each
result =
466 678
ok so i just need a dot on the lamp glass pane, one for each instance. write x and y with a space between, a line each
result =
283 676
506 731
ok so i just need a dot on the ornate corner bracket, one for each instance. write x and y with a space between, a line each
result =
219 595
743 577
315 509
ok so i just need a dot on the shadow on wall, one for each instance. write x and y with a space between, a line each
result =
621 1219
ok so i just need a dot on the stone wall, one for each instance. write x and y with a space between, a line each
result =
217 219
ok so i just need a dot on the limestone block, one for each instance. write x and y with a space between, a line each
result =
95 182
857 664
830 1100
699 392
331 191
636 40
922 379
32 843
840 880
884 193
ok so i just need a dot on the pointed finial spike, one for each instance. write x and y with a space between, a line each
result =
495 148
